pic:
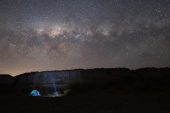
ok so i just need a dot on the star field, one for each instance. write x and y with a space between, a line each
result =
37 35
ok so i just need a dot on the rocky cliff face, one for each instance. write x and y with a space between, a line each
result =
49 83
59 83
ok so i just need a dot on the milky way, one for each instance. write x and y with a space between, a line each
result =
37 35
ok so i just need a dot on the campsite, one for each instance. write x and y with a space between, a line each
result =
121 91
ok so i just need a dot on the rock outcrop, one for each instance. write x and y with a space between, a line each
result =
59 83
49 83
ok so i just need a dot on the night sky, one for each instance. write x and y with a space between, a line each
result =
39 35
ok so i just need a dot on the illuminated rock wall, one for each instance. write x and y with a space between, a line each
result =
49 83
57 83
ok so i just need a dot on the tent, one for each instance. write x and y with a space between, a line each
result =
35 93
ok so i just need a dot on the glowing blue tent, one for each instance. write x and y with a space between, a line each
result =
35 93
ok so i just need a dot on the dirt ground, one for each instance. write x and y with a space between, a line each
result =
93 101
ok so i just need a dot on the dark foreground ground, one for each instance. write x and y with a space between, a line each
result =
136 91
98 100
